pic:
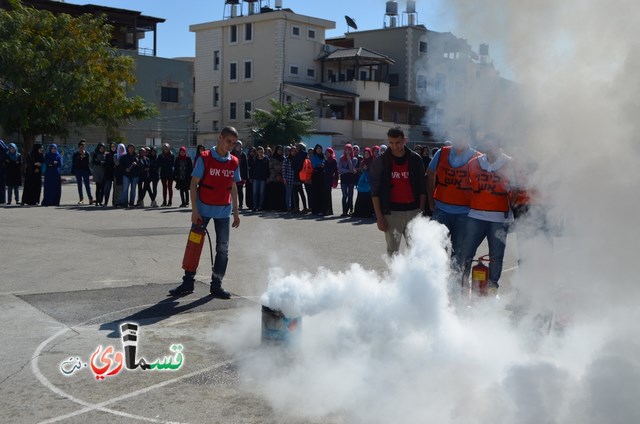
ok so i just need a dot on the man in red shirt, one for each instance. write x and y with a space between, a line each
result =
398 191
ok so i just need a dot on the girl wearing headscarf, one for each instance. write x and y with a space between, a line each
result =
182 170
99 160
166 161
13 172
52 179
364 205
118 174
3 187
347 168
109 172
330 171
132 170
317 181
33 176
275 200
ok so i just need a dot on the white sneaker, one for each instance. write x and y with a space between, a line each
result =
154 204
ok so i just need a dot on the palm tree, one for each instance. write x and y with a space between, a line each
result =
284 124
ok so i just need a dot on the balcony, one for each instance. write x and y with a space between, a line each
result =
366 90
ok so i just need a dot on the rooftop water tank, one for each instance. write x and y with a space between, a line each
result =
392 8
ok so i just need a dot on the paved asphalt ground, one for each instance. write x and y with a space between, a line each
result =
70 275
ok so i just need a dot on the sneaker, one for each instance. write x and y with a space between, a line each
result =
183 289
218 292
154 204
163 204
81 202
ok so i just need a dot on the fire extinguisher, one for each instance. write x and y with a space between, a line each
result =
480 276
192 252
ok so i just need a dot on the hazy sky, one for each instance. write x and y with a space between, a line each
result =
174 38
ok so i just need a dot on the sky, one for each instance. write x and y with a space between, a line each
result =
175 40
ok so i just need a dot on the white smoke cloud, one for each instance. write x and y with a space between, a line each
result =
396 348
563 346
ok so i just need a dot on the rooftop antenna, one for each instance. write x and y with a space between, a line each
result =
351 23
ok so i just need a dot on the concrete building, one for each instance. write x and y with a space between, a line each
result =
165 83
439 76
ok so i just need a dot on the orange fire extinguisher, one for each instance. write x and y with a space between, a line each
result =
480 276
192 252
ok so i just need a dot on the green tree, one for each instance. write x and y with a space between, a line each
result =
285 123
57 71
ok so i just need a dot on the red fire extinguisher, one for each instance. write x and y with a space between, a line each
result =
192 252
480 276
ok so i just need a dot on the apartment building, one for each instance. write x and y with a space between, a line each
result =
246 59
165 83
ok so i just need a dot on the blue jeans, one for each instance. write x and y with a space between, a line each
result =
83 177
496 234
259 190
222 228
347 197
288 189
456 223
129 186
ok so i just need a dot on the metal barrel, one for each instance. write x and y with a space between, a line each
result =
277 329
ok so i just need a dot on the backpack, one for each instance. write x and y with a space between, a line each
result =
306 172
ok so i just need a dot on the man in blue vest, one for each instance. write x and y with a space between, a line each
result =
398 191
214 196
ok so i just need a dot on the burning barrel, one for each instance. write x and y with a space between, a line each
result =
277 328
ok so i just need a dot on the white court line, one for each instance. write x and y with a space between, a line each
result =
101 406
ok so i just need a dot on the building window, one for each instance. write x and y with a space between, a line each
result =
233 111
311 73
331 76
214 126
311 34
247 70
394 80
295 31
248 32
394 117
422 82
216 96
423 47
294 70
363 75
247 110
216 60
233 71
233 34
169 94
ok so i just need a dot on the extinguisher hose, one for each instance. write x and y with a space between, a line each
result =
210 246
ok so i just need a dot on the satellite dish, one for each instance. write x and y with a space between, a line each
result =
350 22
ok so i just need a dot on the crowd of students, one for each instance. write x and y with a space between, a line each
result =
285 178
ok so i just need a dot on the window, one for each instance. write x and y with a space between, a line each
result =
214 126
350 74
295 32
233 34
311 73
247 70
216 96
247 110
233 111
363 75
216 60
394 80
294 70
423 47
233 71
422 82
311 34
248 32
169 94
331 76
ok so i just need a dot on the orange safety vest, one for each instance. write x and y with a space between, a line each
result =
453 185
491 190
215 185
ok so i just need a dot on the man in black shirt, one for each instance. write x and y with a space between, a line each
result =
398 191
